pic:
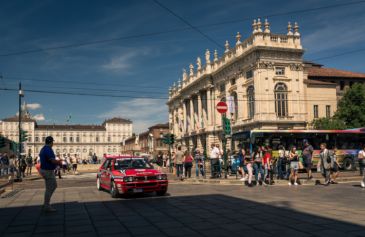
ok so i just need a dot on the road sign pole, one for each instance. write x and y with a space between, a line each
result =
224 145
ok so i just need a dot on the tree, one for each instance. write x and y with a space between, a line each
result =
351 107
328 124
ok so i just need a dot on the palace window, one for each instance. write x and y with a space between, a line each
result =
29 139
43 139
71 139
97 138
109 139
281 100
222 88
36 139
280 71
64 139
233 81
77 138
342 85
328 111
249 74
315 111
251 102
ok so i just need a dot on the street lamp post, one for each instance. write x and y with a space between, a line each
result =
21 94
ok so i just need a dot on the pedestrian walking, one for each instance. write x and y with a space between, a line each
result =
159 160
249 165
361 157
199 164
335 171
307 158
214 161
266 162
324 163
5 164
220 159
281 164
58 168
164 160
258 166
294 166
188 164
179 159
74 164
29 161
241 162
48 165
23 166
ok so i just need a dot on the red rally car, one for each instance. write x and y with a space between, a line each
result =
130 174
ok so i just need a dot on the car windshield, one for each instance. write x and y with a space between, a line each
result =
121 164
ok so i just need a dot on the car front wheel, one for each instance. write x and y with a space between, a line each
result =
161 192
98 185
113 190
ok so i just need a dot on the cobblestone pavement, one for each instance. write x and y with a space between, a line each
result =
188 210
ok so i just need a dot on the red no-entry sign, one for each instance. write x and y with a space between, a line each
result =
222 107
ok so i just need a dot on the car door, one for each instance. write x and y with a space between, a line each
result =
104 172
108 173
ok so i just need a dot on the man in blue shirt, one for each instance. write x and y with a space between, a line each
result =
48 165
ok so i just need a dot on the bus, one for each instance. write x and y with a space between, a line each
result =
348 142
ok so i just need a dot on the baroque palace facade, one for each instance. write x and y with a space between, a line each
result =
266 83
82 140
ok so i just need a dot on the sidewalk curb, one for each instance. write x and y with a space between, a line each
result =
238 182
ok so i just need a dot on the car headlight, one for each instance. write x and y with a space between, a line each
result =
128 179
162 177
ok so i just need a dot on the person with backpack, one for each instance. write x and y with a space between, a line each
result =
29 161
324 164
199 164
188 164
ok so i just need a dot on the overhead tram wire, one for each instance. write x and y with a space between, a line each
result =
136 36
79 82
188 23
140 97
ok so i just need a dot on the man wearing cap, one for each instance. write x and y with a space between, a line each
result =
48 165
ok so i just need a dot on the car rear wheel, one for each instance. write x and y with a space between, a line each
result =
113 190
98 185
347 164
161 192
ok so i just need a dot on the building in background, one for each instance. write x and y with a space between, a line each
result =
148 142
266 82
82 140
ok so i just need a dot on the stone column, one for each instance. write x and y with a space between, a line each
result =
209 107
185 117
200 111
192 126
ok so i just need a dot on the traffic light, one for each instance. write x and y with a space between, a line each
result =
2 142
172 139
23 135
14 146
226 126
166 139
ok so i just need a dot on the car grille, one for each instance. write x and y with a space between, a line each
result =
143 178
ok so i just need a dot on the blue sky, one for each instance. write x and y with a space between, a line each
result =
146 66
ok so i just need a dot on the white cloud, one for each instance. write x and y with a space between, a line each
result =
125 60
33 106
39 117
143 112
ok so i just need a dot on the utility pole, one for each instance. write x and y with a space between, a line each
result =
19 178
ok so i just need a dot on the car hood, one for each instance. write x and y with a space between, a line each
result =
139 172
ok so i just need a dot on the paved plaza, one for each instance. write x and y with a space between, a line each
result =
188 210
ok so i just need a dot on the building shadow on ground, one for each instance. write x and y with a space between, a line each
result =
147 215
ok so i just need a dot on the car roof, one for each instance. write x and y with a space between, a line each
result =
121 157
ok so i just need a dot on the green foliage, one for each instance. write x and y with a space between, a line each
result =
328 124
351 108
2 142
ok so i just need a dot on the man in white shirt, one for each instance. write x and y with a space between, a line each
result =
214 160
361 157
